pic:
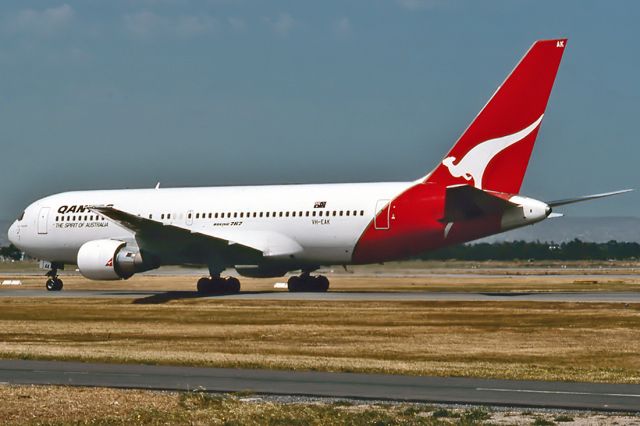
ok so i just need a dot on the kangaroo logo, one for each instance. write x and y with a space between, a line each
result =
474 163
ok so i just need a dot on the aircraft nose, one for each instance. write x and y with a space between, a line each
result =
13 233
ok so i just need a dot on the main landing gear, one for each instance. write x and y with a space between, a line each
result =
218 285
53 282
307 283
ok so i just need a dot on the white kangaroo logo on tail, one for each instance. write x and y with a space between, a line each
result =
473 164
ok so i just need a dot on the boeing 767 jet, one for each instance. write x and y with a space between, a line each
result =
269 231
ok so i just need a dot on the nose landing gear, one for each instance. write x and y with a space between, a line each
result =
53 282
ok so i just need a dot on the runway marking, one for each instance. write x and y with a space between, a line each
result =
630 395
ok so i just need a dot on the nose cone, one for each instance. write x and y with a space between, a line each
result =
13 233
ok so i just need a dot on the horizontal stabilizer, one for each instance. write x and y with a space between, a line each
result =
464 202
585 198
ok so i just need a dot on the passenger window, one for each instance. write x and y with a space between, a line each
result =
267 214
168 215
341 212
197 215
355 212
313 213
347 212
255 214
162 216
293 214
150 216
361 212
306 213
320 213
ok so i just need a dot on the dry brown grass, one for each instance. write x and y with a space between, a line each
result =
517 340
58 405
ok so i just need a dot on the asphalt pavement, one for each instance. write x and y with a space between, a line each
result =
591 396
150 296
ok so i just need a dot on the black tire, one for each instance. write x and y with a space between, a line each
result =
293 284
232 285
321 283
54 284
204 285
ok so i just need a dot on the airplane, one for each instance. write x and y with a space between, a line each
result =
271 230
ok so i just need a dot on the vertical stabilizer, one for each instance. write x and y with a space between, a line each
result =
494 151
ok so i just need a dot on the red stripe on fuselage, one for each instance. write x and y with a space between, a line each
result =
415 226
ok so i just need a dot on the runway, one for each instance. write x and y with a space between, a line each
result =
149 296
609 397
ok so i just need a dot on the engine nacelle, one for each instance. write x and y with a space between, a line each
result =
109 260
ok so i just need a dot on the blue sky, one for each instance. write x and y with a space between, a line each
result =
125 93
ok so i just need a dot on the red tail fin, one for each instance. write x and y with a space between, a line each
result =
494 151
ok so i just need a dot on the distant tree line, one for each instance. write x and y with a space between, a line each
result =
523 250
513 250
10 252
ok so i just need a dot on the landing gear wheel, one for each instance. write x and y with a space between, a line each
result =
232 285
307 283
321 283
204 285
294 284
217 285
54 284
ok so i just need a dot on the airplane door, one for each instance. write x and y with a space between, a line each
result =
381 221
43 220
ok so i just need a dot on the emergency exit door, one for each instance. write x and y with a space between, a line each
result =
381 221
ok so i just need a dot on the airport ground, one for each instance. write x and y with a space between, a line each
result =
566 341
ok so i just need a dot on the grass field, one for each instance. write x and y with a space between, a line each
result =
51 405
516 340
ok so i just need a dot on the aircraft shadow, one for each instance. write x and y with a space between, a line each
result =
158 298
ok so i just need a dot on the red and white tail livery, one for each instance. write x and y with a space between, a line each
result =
268 231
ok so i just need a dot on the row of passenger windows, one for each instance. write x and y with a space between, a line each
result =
86 217
241 215
313 213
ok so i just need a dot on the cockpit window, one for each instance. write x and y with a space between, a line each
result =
21 216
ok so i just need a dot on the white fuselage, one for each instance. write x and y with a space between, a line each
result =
326 220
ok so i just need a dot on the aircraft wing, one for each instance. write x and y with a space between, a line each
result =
464 202
238 242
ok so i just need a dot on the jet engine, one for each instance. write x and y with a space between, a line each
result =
110 260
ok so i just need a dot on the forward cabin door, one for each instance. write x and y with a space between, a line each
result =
381 221
43 220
